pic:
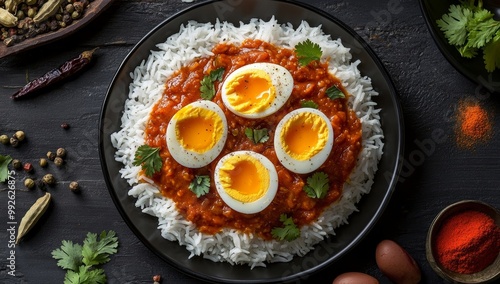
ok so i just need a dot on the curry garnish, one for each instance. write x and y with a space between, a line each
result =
288 232
200 185
257 135
309 104
308 51
149 159
207 87
334 93
317 185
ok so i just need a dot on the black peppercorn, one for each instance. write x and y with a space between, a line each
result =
40 184
16 164
49 179
51 155
74 186
29 183
14 141
65 126
61 152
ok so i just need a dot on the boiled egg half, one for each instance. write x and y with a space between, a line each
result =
303 140
196 134
246 181
257 90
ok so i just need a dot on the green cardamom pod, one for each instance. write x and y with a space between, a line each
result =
11 5
33 215
48 9
7 19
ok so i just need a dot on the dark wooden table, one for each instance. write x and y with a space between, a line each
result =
432 178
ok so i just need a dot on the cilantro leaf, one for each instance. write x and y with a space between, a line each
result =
257 135
207 87
68 256
454 24
308 51
309 104
4 167
95 251
200 185
334 93
317 185
85 275
482 28
288 232
149 158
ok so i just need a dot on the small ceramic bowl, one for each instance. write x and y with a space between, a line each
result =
490 273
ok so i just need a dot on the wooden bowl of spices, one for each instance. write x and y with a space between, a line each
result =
463 243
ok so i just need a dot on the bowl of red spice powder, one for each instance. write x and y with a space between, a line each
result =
463 243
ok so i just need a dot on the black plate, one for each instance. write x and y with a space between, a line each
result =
326 252
471 68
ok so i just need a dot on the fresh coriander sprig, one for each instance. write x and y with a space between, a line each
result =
288 232
149 158
309 104
308 51
317 185
257 135
80 261
207 87
472 29
200 185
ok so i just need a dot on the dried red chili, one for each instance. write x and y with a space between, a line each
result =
66 70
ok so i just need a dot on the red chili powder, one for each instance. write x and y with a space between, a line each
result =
467 242
473 124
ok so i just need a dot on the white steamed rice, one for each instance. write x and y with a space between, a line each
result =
195 40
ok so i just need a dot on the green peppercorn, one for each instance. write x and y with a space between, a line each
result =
29 183
43 162
51 155
49 179
31 12
74 186
58 161
16 164
4 139
19 135
75 15
14 142
70 8
61 152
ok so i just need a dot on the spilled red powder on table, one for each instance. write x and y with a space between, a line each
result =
473 124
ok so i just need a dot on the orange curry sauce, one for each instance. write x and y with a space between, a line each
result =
209 212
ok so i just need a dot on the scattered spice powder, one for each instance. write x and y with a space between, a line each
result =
473 124
468 242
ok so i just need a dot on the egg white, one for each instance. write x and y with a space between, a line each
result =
311 163
254 206
281 79
190 158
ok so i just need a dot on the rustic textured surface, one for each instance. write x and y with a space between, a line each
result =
432 177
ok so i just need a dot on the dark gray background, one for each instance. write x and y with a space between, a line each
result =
432 177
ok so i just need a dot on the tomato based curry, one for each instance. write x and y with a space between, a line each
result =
208 212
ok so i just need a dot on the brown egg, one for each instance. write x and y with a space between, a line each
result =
355 278
395 262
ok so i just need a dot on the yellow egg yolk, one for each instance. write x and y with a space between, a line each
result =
198 129
304 135
251 92
244 178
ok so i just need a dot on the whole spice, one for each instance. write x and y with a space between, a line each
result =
19 135
4 139
467 242
11 5
14 142
473 124
51 155
33 215
58 161
66 70
156 279
74 186
29 183
49 179
48 9
43 162
16 164
28 167
65 126
7 19
61 152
